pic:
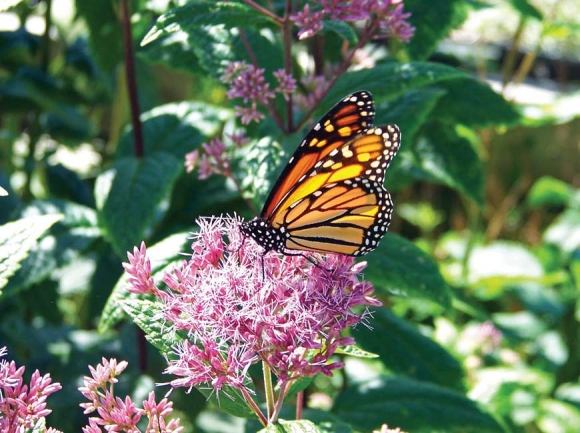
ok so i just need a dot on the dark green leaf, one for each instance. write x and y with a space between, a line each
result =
390 80
16 240
526 9
132 196
342 29
413 406
63 243
404 350
206 13
105 36
433 20
449 158
399 267
409 111
474 104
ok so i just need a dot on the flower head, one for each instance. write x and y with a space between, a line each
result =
239 306
116 414
22 405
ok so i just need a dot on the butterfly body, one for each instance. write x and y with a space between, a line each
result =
330 197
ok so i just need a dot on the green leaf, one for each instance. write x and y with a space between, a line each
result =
105 35
565 231
413 406
173 50
283 426
474 104
433 20
558 416
16 240
389 80
400 268
133 195
175 128
163 256
410 110
549 191
447 157
69 237
148 315
356 352
342 29
526 9
403 350
206 13
502 263
32 88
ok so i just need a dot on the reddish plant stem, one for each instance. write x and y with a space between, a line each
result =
131 78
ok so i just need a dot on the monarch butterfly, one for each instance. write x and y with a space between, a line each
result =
330 197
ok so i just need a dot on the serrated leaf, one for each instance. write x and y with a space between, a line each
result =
413 406
449 158
148 315
356 351
66 240
387 81
206 13
175 128
132 196
433 20
163 255
398 267
403 350
16 240
474 104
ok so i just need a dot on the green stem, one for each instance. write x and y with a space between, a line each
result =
268 389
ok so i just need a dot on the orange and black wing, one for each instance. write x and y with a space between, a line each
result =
353 114
339 204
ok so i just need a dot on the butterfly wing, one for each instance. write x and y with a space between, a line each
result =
347 118
339 203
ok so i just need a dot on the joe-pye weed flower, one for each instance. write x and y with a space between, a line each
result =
238 307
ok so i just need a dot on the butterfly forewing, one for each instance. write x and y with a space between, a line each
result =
347 118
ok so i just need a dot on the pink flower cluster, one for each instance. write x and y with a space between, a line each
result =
23 406
239 306
215 156
388 13
116 414
248 83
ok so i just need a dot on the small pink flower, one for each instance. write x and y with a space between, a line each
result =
21 405
116 414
